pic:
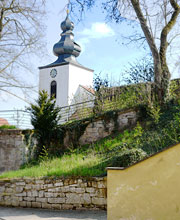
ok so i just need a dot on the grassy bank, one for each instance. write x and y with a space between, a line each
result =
123 149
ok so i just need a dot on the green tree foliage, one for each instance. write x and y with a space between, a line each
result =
45 118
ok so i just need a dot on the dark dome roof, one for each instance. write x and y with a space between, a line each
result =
66 47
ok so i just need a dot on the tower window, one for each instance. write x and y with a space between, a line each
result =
53 88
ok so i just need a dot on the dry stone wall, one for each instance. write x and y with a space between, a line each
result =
12 150
103 127
62 193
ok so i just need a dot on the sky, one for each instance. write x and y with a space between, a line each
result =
104 49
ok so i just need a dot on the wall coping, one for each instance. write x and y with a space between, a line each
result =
52 178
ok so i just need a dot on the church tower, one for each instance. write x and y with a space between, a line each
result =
63 77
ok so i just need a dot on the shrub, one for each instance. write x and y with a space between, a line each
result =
128 157
45 118
7 127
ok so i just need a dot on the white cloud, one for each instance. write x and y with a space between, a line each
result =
96 31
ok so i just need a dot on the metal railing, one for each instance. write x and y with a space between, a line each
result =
22 119
19 118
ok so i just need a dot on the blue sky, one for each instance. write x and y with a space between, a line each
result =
103 47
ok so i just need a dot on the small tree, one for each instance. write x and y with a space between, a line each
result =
45 118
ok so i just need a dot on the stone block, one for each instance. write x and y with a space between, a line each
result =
86 199
29 205
79 181
56 206
41 200
72 189
21 194
46 206
41 194
99 201
94 184
73 198
9 190
49 195
29 193
36 205
36 187
102 193
15 203
67 206
20 183
28 186
80 190
34 193
39 181
65 189
90 189
2 189
83 185
61 195
102 185
52 190
30 199
56 200
23 204
58 184
19 189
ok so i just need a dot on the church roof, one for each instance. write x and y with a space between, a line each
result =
66 49
3 121
89 89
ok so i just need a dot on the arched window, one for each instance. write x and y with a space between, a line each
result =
53 88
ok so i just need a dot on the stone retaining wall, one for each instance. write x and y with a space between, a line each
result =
103 127
62 193
12 150
16 146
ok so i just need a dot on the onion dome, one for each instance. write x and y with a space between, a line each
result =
66 49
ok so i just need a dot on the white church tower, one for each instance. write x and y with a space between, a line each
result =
65 76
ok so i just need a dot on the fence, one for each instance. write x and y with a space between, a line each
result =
118 100
19 118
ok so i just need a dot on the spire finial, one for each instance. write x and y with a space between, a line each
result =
68 4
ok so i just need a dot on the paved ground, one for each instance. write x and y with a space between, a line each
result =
41 214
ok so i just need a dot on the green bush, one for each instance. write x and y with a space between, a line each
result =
45 118
7 127
128 157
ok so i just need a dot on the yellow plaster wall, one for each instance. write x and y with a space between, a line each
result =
149 190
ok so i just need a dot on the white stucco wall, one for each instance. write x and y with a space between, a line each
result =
62 79
68 79
82 95
78 76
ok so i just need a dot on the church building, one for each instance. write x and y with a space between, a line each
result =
66 79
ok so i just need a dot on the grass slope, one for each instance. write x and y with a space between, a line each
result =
122 149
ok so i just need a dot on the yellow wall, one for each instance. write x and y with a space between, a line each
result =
149 190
